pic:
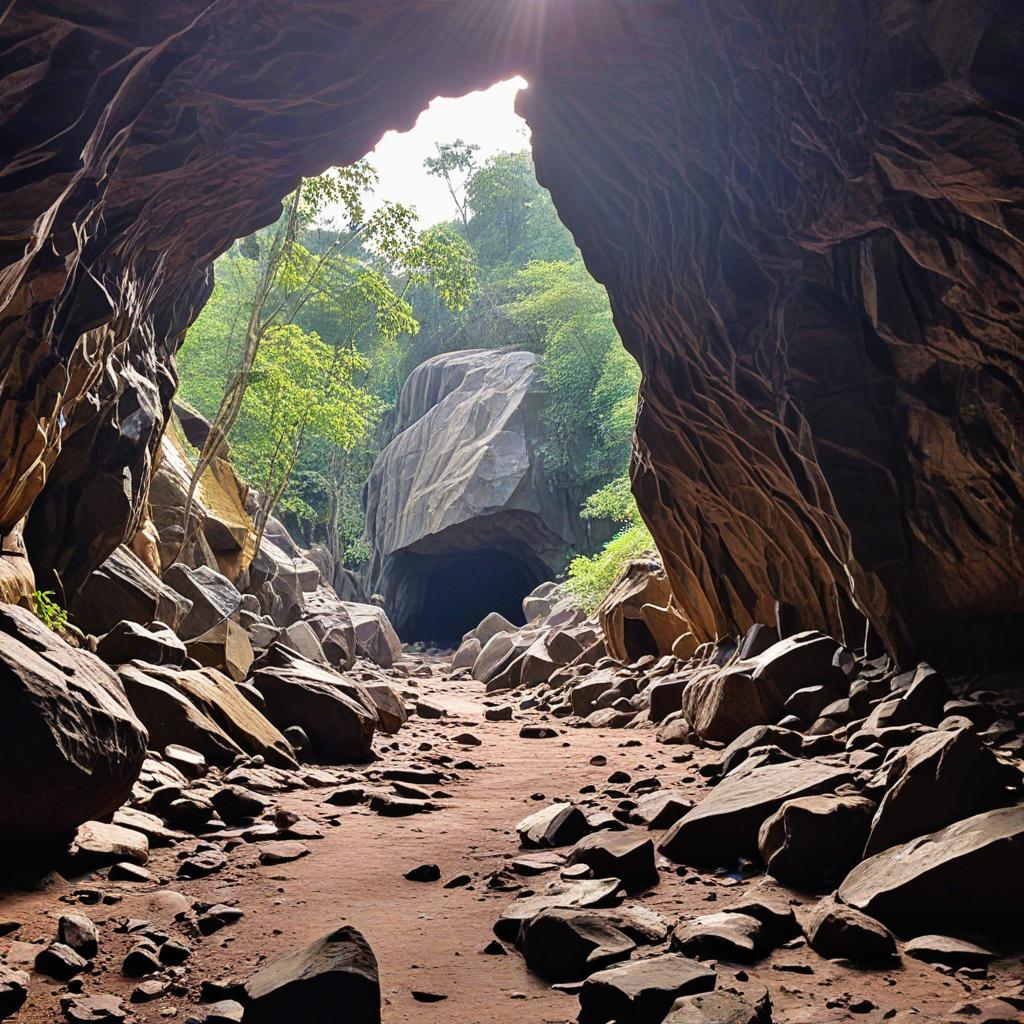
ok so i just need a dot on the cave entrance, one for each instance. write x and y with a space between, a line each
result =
443 597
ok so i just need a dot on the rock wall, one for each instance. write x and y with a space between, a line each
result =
462 518
808 217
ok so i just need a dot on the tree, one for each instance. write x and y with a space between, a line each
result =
454 164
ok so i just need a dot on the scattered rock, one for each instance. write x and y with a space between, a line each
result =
945 949
60 962
723 936
837 931
79 933
309 985
559 824
625 855
566 945
424 873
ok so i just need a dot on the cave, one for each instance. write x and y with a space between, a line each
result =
443 597
807 218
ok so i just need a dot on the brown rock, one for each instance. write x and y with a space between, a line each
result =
70 745
836 931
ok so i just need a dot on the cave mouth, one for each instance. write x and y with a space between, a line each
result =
446 596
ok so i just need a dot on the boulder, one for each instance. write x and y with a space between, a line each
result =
391 715
226 647
123 587
558 824
98 844
313 983
836 931
340 726
725 824
540 602
70 745
227 704
728 936
938 779
494 654
568 894
332 624
491 625
759 736
628 856
13 990
642 991
949 951
627 637
666 696
967 874
376 638
722 1007
128 641
469 650
723 704
302 639
567 945
170 717
584 696
213 596
813 838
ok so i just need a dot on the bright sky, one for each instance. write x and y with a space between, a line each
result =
486 119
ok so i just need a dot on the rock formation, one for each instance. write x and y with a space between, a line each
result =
462 518
807 220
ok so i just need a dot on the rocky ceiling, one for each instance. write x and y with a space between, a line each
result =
808 214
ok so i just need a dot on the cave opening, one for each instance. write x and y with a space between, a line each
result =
443 597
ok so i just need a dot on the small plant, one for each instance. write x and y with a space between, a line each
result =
48 611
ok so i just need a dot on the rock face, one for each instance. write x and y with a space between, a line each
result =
70 743
826 305
462 518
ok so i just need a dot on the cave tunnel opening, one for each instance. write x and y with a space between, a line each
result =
446 596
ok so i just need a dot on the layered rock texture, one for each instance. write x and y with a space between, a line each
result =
462 517
808 219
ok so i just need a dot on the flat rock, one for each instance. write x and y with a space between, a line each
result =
945 949
274 853
723 936
725 824
641 991
98 1009
60 962
966 875
563 895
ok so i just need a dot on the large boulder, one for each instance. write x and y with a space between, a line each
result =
938 779
337 714
213 596
726 823
129 641
812 838
70 745
225 646
314 983
965 875
376 638
462 515
722 704
123 587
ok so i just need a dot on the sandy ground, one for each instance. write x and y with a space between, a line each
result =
431 939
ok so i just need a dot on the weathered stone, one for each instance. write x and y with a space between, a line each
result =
938 779
70 745
626 634
814 837
376 638
724 936
338 970
391 715
340 728
213 596
558 824
641 991
128 641
566 945
225 647
722 1007
96 1009
568 894
836 931
60 962
13 990
79 933
725 824
123 587
945 949
628 856
963 875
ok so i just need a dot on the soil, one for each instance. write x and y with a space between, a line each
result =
429 939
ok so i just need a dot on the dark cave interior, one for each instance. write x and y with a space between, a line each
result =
444 596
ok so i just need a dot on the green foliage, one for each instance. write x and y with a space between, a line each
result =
591 577
49 611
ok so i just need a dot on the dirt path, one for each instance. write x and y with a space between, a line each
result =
430 939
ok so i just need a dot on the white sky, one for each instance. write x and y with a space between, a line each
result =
486 118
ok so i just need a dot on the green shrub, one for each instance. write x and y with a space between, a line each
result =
48 611
590 578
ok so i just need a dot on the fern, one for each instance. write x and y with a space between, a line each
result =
48 611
